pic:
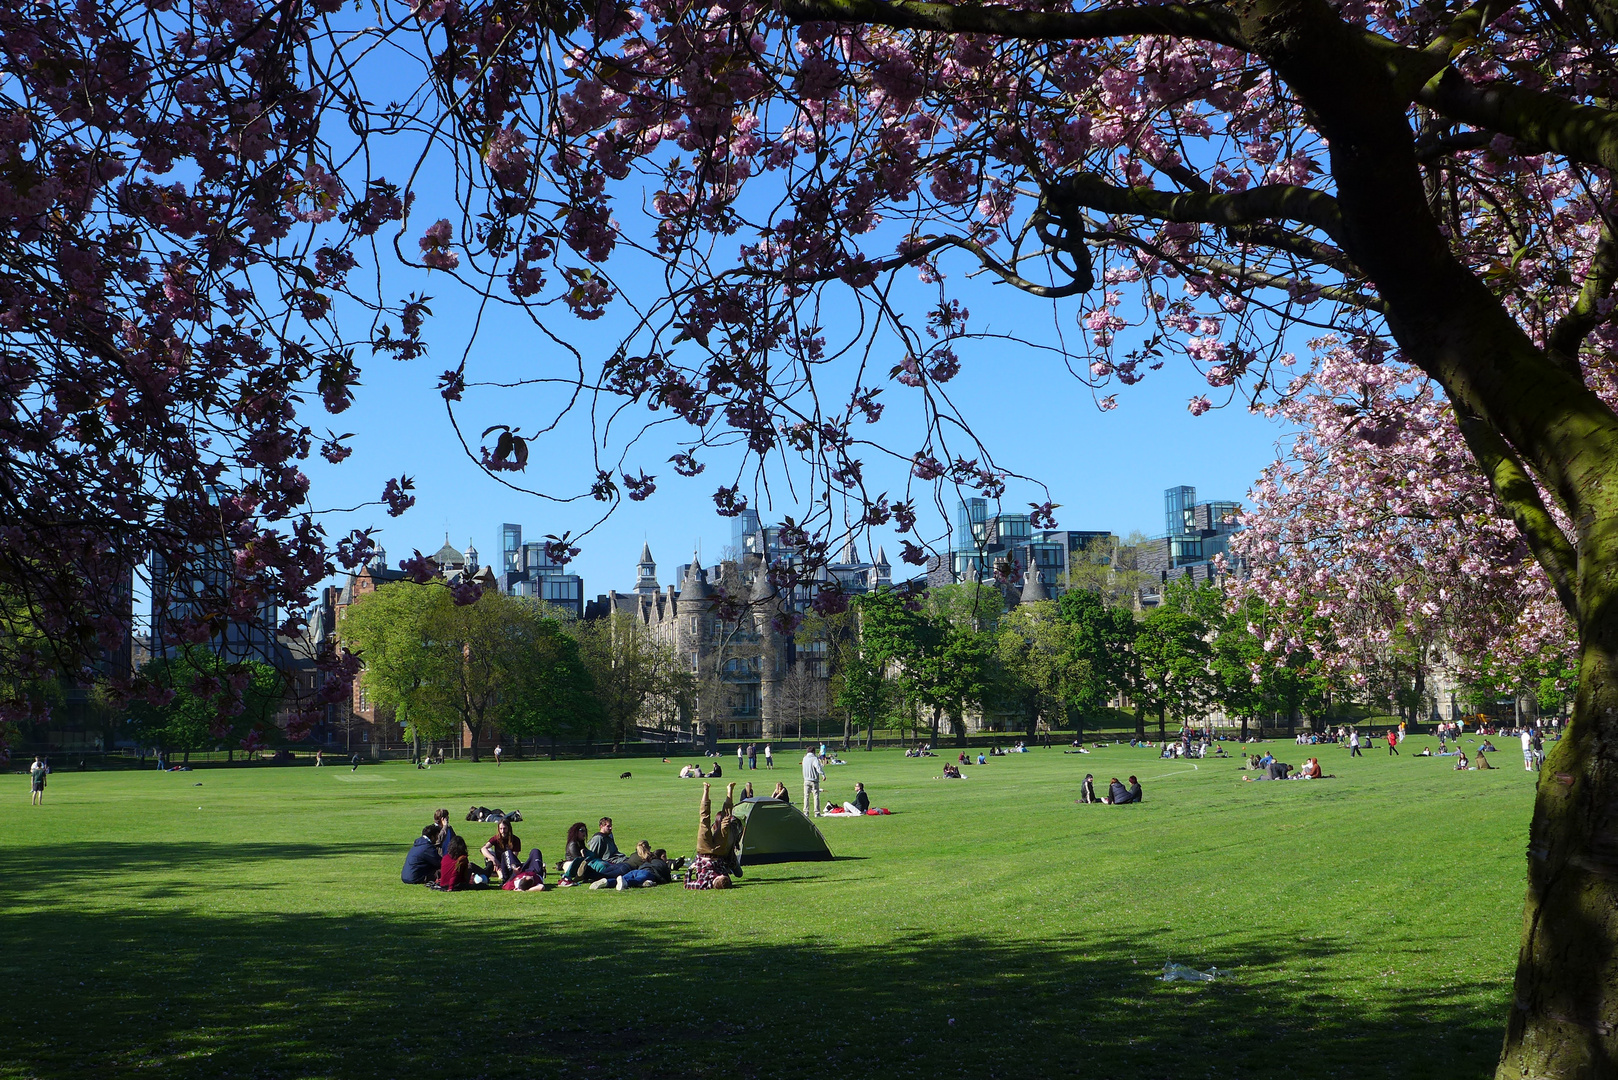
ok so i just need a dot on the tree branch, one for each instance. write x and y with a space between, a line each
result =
1253 206
1544 121
1214 24
1278 281
1273 236
1429 150
1567 336
1519 494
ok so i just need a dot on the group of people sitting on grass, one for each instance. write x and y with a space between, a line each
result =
1280 770
441 860
1117 793
924 750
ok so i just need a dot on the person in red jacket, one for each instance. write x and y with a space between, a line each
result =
455 872
1393 743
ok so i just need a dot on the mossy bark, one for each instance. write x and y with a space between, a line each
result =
1564 1008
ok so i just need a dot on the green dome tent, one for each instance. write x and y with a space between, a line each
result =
774 831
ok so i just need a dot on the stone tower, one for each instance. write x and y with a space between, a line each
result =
646 572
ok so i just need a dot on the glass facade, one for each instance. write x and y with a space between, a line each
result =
510 548
528 571
1179 510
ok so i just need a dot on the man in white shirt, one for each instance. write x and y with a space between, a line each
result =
813 774
1527 749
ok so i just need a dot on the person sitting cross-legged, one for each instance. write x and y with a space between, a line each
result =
503 852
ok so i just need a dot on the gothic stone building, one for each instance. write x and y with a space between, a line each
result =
753 680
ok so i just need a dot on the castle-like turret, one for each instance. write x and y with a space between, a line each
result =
646 572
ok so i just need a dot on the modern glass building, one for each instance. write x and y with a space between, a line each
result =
526 570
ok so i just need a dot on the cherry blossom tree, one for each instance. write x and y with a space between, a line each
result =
189 186
1377 535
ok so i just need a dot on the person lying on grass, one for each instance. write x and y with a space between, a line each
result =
530 876
503 852
714 866
654 868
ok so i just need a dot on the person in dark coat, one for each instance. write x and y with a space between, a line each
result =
1087 790
422 862
1117 794
1134 790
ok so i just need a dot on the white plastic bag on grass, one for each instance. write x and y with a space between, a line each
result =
1173 972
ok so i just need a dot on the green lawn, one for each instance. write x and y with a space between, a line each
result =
255 926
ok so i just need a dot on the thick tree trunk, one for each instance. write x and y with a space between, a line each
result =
934 743
1162 723
1140 724
473 730
1564 1012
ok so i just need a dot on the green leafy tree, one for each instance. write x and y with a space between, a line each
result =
632 674
549 691
389 631
199 699
896 637
860 688
1039 667
1103 640
1175 676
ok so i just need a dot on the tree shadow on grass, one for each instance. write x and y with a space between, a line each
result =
428 994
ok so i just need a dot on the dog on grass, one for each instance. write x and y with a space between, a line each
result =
623 776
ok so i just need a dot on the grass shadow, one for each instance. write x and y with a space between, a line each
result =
298 995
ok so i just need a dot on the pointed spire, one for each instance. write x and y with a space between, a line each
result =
849 555
646 553
882 557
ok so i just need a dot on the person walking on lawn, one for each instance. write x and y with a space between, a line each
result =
36 781
1393 743
1354 743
